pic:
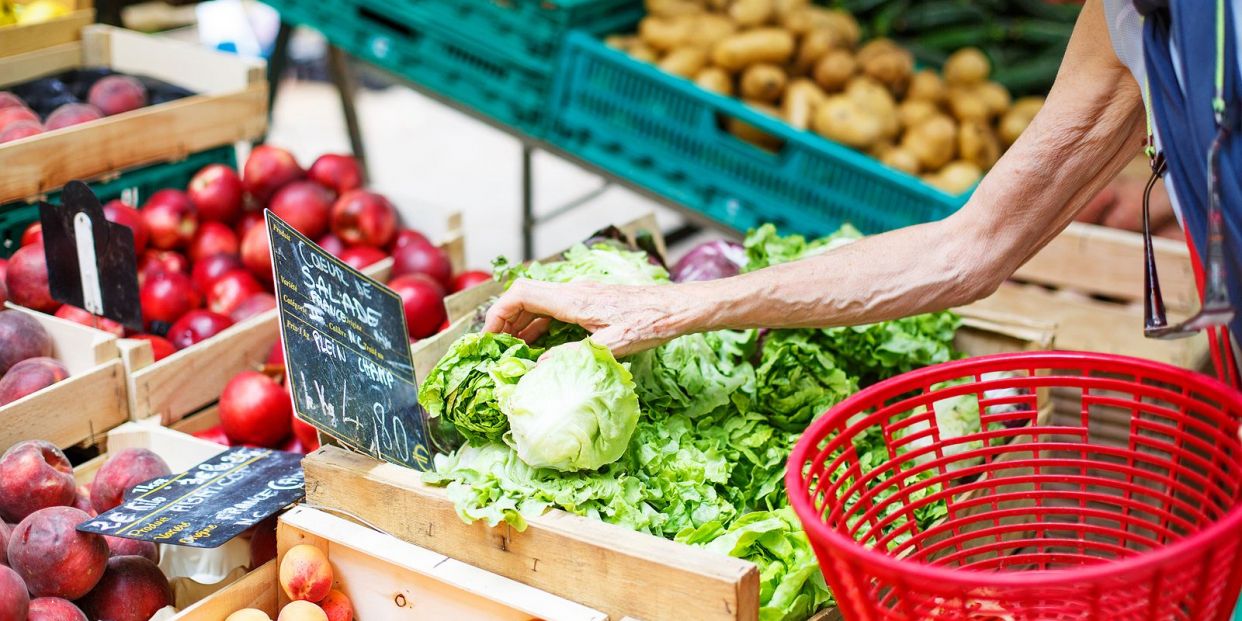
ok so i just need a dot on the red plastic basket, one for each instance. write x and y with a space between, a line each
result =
1097 487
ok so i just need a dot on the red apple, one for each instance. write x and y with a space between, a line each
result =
33 234
213 434
256 254
34 475
166 296
72 114
407 236
305 205
78 315
213 238
362 218
339 173
160 347
255 410
171 219
26 279
256 304
4 292
423 300
292 445
268 169
359 257
16 114
197 326
332 244
117 211
20 129
230 290
426 259
4 269
466 280
307 435
277 355
115 94
153 262
9 100
248 219
216 192
208 269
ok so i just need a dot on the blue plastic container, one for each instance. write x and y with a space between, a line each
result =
667 134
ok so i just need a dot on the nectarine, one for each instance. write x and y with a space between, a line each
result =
305 574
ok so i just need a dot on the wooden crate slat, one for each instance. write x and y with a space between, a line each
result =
19 39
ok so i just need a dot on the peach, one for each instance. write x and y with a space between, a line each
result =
21 337
120 546
301 611
5 531
26 279
248 614
53 557
117 93
34 475
54 609
30 376
83 501
121 473
20 129
132 589
14 601
9 100
72 114
16 114
337 606
305 573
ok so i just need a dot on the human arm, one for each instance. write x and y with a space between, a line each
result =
1087 130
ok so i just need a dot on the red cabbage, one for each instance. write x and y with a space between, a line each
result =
710 260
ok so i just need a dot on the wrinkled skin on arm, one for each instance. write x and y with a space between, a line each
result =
1089 127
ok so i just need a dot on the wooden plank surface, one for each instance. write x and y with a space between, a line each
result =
78 410
601 565
390 579
19 39
190 65
30 65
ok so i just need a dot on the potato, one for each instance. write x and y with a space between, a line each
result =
752 134
815 45
664 33
716 80
875 47
840 118
834 70
842 22
762 45
798 21
977 143
751 13
911 112
708 29
801 99
926 85
901 159
994 96
643 52
1015 121
673 8
933 142
763 82
892 68
881 148
966 67
874 98
956 177
1029 105
967 106
684 61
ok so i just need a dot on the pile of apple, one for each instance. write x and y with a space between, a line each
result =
26 363
307 579
110 95
204 261
51 572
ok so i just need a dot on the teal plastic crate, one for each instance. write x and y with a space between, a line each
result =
144 181
667 134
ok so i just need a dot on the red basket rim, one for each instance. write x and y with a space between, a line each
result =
816 528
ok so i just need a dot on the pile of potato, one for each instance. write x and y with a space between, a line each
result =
804 64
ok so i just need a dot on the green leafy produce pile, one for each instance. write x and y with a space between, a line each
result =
720 413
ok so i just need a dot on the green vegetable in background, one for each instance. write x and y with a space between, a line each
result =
796 381
693 374
602 263
462 386
764 246
881 350
575 410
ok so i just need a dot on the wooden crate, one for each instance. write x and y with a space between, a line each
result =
192 378
598 564
1089 282
83 407
17 39
230 106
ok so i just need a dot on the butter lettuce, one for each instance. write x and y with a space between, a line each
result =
462 386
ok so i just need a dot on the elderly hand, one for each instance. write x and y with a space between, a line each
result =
625 319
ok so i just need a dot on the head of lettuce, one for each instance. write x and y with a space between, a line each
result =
574 410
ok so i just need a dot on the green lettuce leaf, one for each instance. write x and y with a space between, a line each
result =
795 382
602 263
462 386
764 246
694 374
882 350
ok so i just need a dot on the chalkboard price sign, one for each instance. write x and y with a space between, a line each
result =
209 504
347 352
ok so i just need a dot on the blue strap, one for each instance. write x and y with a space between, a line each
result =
1187 124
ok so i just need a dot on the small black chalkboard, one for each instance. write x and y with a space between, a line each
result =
209 504
347 352
90 261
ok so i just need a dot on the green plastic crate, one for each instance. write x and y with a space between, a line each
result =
144 181
667 134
